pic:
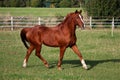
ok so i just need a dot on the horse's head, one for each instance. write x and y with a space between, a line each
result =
78 18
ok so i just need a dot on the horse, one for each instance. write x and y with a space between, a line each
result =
62 36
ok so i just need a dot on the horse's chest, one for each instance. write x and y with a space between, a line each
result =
72 41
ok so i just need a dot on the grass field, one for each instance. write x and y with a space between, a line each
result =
36 11
100 50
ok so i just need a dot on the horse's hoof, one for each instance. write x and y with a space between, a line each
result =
46 65
60 69
85 67
24 65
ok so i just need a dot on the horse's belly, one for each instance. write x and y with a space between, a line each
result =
53 39
51 43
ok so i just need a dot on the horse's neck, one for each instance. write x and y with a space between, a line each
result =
69 27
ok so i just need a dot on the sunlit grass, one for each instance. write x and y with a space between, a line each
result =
36 11
100 50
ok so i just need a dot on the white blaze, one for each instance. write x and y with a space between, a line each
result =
81 20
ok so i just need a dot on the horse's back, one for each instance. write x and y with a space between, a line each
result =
50 36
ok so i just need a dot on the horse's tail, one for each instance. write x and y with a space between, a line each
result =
23 38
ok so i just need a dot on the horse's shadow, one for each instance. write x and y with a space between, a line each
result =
76 63
92 63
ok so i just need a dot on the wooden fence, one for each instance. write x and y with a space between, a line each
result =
21 22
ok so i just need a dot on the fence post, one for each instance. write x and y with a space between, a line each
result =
112 27
91 22
11 23
39 21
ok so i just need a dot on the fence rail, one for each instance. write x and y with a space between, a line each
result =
21 22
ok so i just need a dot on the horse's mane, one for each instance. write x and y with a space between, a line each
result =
66 19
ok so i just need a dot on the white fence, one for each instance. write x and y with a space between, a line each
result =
103 22
21 22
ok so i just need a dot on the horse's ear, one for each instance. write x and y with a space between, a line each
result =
80 11
76 11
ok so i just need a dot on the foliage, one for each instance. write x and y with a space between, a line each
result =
103 7
65 3
35 3
12 3
39 3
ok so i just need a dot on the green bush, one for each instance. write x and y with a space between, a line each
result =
103 7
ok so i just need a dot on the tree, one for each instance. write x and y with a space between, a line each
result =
65 3
103 7
22 3
1 3
77 3
6 3
28 3
52 3
14 3
35 3
40 3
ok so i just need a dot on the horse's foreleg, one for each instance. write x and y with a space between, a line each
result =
29 51
75 49
38 50
62 50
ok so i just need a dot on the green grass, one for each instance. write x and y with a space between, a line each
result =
36 11
100 50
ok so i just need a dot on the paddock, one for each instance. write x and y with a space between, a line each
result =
100 50
99 47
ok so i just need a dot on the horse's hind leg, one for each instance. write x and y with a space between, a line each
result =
38 50
29 51
75 49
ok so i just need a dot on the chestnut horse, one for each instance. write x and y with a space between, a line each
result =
63 36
